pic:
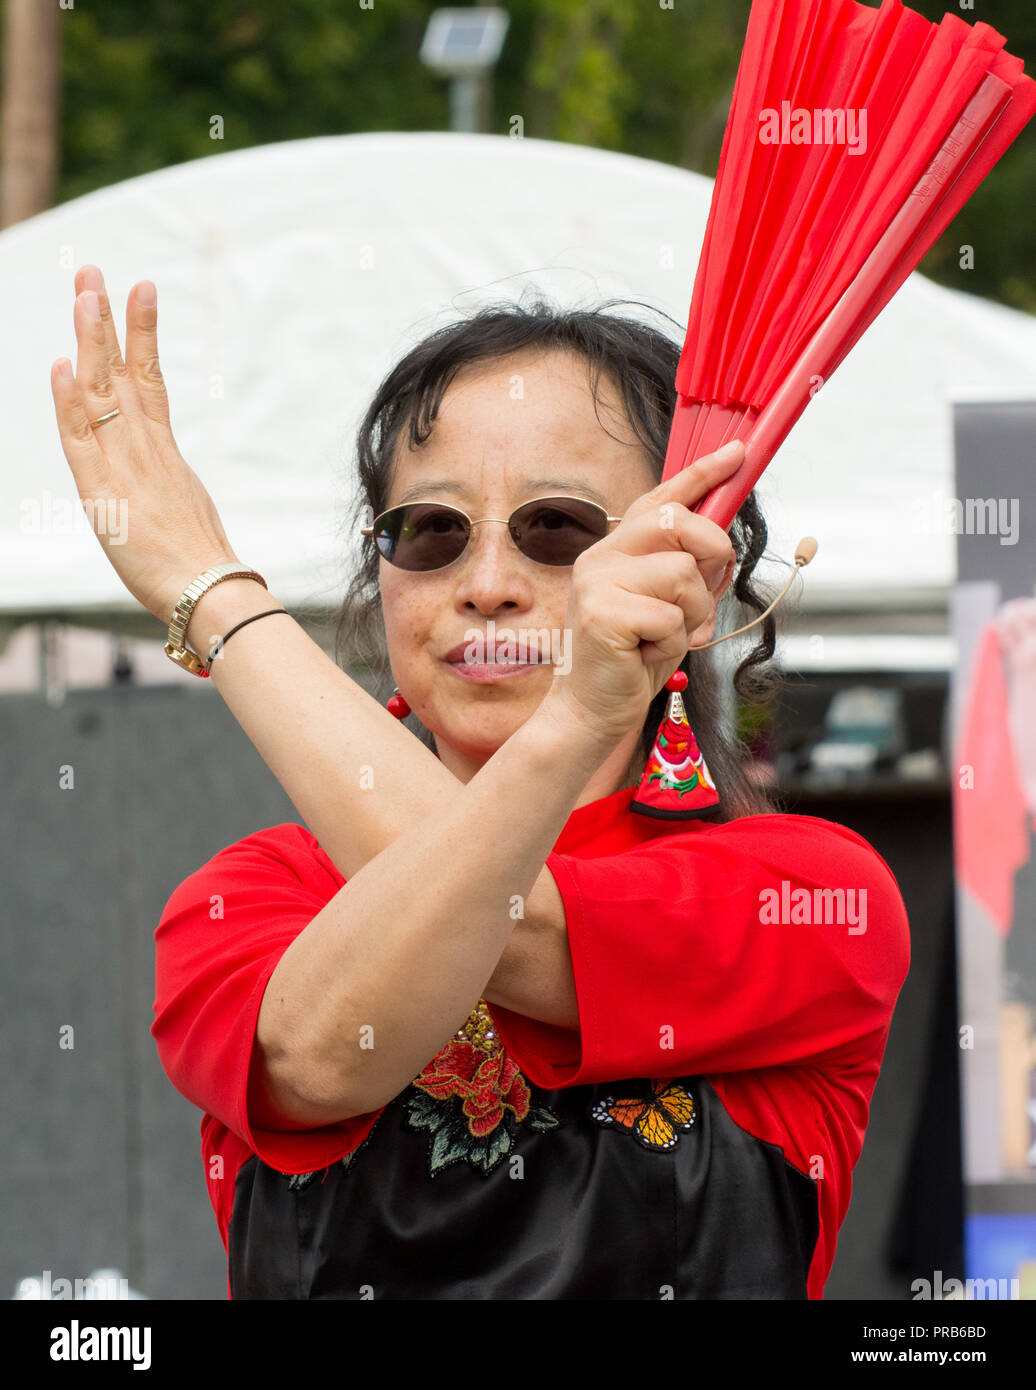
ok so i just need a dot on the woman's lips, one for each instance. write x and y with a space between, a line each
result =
493 670
526 660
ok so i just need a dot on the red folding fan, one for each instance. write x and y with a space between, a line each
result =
855 135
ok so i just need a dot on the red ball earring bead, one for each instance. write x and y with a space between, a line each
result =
677 681
397 706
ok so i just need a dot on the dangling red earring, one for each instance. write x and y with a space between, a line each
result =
676 784
397 706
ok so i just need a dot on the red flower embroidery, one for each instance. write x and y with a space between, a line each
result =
479 1132
486 1084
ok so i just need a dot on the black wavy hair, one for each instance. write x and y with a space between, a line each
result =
641 361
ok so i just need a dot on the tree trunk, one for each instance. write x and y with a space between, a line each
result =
30 107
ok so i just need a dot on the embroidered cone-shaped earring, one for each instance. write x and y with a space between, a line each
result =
676 784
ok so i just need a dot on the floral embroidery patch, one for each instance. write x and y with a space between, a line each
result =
471 1098
472 1102
655 1119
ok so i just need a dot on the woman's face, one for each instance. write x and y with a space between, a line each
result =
508 431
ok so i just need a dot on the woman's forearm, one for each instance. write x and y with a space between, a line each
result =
356 776
383 976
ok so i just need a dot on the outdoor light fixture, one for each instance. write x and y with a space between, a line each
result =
464 45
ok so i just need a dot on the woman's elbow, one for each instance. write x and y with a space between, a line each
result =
285 1092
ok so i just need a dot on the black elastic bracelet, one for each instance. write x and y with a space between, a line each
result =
222 642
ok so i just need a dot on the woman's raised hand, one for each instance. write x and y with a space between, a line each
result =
640 595
171 530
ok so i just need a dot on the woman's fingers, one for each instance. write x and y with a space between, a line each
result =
91 279
131 384
692 483
612 599
662 629
669 527
142 351
107 378
103 389
86 458
673 579
653 627
137 380
661 520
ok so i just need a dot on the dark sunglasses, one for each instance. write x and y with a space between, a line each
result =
430 536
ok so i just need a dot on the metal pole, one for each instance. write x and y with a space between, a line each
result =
469 103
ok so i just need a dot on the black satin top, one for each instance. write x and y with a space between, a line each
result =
630 1190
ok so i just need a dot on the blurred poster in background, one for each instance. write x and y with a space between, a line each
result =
993 730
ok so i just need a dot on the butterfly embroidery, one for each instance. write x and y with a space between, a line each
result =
654 1120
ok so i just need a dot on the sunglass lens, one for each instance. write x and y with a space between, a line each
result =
556 531
421 536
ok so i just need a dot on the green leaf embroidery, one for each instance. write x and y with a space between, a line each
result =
541 1119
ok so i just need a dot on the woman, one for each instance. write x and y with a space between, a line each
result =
654 1086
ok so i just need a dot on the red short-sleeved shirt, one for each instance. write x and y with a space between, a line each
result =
710 953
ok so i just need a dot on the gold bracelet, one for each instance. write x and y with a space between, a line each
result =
174 647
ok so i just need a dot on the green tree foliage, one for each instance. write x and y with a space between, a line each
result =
143 81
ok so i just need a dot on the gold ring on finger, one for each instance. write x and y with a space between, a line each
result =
102 418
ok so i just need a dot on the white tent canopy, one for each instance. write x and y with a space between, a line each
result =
292 276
